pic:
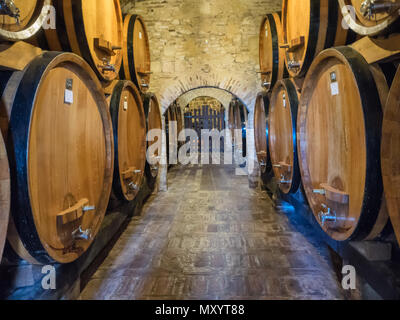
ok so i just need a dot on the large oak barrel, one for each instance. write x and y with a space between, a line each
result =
129 126
154 122
92 29
240 115
261 114
170 131
310 26
136 52
282 135
21 19
390 154
4 194
370 18
339 138
272 56
60 149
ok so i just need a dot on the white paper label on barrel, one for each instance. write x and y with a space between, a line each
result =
266 33
68 96
334 88
140 35
125 105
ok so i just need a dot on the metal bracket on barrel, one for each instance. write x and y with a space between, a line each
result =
369 8
75 214
287 169
8 7
332 195
128 175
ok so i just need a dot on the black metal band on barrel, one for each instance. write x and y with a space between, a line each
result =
114 111
373 118
18 134
315 7
294 105
275 49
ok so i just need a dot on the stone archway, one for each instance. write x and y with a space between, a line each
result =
225 96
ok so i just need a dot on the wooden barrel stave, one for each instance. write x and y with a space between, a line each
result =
261 114
390 154
318 27
5 197
136 52
81 30
42 230
129 126
153 122
282 135
339 162
271 56
380 22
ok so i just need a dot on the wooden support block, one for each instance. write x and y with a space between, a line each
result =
379 49
17 56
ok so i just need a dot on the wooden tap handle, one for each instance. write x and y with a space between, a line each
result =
73 213
105 46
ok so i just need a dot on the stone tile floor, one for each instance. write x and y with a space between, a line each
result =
211 237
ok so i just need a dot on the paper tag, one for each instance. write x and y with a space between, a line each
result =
140 35
68 96
334 88
284 100
125 105
266 33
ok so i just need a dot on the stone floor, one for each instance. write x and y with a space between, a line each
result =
211 237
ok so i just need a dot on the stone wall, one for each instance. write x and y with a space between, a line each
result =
196 43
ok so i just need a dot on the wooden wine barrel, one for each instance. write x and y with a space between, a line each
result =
129 127
92 29
261 113
310 26
60 149
272 56
4 194
171 130
21 19
154 122
136 52
390 154
339 134
370 18
240 114
282 135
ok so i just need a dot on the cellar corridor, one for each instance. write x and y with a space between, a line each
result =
211 237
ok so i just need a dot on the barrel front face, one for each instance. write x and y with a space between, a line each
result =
391 154
26 23
137 60
129 140
261 131
339 139
282 135
368 18
299 20
4 194
272 57
154 122
61 138
103 21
